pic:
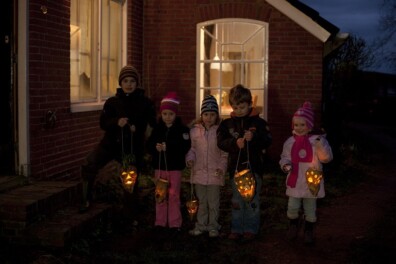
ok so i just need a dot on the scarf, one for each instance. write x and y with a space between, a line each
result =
301 151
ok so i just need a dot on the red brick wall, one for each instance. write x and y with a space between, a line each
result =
162 45
295 57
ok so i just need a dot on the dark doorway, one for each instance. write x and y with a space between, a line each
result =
7 153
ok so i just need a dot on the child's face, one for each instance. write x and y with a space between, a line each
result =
168 117
300 127
128 84
241 109
209 118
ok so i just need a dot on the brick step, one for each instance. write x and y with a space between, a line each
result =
64 227
23 206
11 182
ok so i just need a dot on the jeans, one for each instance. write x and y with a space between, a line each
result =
246 215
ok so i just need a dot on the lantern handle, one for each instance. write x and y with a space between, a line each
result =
159 163
122 141
248 158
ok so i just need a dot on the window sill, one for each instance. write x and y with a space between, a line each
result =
86 107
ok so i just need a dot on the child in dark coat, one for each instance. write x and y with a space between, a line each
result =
245 136
168 144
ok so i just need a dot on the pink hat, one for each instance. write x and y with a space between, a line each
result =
170 102
307 113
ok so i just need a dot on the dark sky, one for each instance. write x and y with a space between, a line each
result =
359 17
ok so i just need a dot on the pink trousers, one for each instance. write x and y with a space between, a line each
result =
168 212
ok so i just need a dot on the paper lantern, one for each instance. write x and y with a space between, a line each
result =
128 178
161 190
246 184
313 177
192 208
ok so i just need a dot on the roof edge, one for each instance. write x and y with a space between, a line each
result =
301 19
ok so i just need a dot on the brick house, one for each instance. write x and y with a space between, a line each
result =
49 131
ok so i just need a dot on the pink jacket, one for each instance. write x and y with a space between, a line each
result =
207 156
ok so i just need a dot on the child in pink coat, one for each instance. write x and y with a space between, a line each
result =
208 164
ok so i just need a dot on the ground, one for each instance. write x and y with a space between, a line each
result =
356 226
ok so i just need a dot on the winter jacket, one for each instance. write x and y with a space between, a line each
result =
177 139
321 155
140 111
233 128
207 156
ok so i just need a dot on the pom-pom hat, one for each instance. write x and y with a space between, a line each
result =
129 71
170 102
209 104
307 113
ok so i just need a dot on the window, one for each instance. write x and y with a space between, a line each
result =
232 52
97 45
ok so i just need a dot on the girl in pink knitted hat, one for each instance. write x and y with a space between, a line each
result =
302 157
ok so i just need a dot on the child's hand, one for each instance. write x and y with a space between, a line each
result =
286 168
219 172
122 121
240 143
248 135
189 163
132 128
161 147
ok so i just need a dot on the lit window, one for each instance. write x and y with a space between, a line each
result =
97 34
232 52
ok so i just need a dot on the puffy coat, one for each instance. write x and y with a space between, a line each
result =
320 155
207 156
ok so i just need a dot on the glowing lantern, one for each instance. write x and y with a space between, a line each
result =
128 178
161 190
246 184
313 178
192 208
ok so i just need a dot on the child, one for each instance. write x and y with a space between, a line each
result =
301 152
208 164
245 136
168 145
125 114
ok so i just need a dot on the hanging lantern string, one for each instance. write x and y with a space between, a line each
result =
159 162
191 184
239 155
122 141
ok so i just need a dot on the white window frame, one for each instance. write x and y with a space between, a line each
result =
200 62
96 74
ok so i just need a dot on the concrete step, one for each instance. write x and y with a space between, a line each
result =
65 226
11 182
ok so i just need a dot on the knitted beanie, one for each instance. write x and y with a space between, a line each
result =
129 71
307 113
209 104
170 102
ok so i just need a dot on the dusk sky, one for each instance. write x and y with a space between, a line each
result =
359 17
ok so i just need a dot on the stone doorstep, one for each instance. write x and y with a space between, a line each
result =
64 227
27 203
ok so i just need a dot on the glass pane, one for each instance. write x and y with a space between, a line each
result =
255 75
80 51
111 45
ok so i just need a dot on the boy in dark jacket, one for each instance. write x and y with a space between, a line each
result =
124 119
245 136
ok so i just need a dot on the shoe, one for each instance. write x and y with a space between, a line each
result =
213 233
234 236
248 236
195 232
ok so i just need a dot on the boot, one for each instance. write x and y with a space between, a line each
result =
84 201
308 233
293 229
